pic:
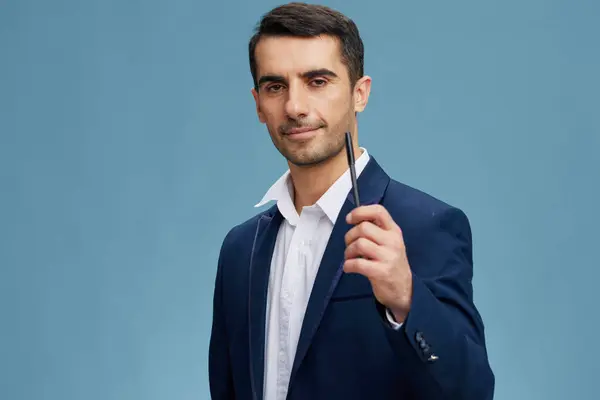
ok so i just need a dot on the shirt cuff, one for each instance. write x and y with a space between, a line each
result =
390 317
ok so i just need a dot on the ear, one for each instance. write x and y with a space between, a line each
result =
362 89
261 116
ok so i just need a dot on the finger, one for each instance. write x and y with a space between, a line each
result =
375 213
365 248
367 230
361 266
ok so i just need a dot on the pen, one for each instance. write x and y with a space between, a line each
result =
350 153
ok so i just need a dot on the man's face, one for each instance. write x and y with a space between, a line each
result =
305 97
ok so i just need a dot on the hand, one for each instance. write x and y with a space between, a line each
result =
375 249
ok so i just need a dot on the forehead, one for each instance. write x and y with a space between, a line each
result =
294 55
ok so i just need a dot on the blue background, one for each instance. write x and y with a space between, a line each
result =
129 146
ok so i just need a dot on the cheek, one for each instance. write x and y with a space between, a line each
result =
272 112
333 107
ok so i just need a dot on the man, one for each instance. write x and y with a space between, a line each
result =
316 298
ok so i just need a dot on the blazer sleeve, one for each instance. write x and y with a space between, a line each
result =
442 339
219 366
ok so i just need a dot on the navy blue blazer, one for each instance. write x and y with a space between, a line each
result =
347 349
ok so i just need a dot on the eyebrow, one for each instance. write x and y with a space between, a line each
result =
307 75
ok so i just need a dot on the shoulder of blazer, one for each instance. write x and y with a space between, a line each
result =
240 238
417 202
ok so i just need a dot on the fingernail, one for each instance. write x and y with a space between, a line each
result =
349 218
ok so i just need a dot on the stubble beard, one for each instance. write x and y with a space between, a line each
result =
318 153
317 150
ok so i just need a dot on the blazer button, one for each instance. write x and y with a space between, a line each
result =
419 337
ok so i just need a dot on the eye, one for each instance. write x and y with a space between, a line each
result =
274 88
318 82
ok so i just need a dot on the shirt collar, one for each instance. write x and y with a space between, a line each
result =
330 203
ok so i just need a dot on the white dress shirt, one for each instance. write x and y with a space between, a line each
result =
299 248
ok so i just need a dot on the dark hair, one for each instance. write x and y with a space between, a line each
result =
310 20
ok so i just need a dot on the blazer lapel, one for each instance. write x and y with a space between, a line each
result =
260 265
372 183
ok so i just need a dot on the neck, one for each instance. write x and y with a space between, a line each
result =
311 182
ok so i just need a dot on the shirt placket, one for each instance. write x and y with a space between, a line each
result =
294 289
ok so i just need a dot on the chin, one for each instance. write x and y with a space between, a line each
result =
307 158
309 152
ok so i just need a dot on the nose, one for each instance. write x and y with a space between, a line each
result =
296 105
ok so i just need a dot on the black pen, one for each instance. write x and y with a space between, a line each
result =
350 153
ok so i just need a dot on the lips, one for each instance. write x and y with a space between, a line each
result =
295 131
301 134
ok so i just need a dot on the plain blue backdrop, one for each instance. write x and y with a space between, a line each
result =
129 146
